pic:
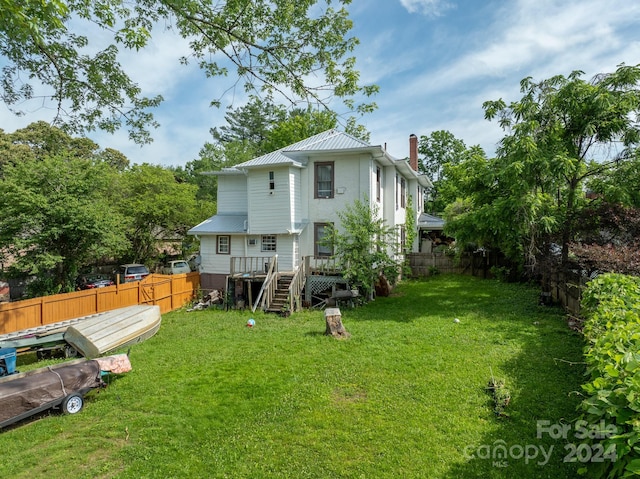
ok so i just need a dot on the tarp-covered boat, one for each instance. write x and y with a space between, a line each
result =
62 385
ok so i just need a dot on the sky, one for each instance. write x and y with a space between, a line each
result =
436 62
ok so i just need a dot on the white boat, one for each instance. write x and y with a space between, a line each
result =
114 329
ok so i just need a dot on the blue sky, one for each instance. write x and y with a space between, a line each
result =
436 62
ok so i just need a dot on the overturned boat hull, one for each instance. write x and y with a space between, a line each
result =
114 330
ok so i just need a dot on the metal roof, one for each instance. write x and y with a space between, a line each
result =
221 224
430 222
330 140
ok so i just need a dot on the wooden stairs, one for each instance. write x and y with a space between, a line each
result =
280 302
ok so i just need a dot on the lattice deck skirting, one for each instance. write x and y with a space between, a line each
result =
319 283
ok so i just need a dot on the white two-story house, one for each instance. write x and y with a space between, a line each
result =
279 204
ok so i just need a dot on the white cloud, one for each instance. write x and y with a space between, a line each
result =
427 7
538 38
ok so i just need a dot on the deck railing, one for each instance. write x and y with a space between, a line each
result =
327 266
296 287
268 290
253 265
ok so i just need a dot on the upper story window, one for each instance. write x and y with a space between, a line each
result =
269 243
272 180
378 183
324 180
397 191
223 244
403 193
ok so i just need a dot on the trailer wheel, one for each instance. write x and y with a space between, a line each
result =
70 352
72 404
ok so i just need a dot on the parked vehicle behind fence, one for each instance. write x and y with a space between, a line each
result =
132 272
176 267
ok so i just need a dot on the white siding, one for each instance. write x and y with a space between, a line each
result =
232 194
295 186
352 181
285 252
269 210
291 202
219 263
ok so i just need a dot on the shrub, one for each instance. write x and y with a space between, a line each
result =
611 305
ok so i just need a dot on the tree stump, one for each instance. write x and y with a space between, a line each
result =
333 318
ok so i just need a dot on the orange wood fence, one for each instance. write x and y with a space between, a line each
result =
168 292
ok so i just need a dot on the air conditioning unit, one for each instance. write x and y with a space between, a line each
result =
252 241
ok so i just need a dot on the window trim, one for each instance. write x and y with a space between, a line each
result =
378 183
218 244
268 244
403 193
316 242
317 166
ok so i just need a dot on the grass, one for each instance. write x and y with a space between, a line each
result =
405 396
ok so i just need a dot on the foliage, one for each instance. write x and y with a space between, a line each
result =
249 123
365 246
405 397
157 208
57 217
274 48
40 140
611 304
441 154
67 205
620 185
298 125
561 133
608 239
500 395
260 127
410 228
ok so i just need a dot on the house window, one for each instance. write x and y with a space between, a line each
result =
378 183
403 238
223 244
321 248
272 181
268 242
403 193
397 191
324 180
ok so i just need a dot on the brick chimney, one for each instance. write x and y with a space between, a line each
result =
413 151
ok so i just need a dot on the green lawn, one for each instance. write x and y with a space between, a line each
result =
404 397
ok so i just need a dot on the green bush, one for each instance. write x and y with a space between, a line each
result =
611 408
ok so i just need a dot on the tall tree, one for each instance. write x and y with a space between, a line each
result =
441 153
299 124
40 140
157 209
57 217
563 131
249 123
437 149
273 46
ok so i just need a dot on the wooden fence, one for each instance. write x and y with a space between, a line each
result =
475 264
168 292
565 289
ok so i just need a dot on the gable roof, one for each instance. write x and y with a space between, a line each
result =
327 142
330 140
